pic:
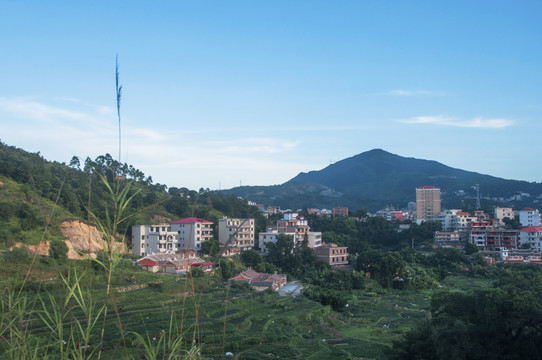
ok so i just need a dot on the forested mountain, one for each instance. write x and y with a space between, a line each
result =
34 190
378 178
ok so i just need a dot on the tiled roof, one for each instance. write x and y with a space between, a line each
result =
532 229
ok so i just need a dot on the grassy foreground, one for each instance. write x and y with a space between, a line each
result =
211 319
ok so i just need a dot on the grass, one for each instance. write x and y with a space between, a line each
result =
258 325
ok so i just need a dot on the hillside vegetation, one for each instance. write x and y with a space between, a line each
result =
37 195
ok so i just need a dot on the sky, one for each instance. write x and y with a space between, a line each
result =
218 94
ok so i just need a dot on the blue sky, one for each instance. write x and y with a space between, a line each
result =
218 93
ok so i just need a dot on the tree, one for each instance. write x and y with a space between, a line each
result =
383 265
75 163
251 258
470 248
58 250
210 247
511 223
502 322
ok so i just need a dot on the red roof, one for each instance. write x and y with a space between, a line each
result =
532 229
527 209
191 220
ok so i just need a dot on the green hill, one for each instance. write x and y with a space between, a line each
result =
36 194
378 178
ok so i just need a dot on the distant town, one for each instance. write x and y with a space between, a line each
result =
505 235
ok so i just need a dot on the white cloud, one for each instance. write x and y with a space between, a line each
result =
182 158
477 122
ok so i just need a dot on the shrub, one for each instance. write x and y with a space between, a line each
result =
58 250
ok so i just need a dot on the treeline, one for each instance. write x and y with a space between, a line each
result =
79 187
361 233
502 322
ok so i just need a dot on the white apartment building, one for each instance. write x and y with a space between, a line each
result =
236 232
153 239
449 220
192 231
180 235
531 235
529 217
269 237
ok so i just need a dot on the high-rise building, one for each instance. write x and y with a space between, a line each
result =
427 202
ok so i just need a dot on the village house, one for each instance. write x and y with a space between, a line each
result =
520 256
260 281
172 263
332 254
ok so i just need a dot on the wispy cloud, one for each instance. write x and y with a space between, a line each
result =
477 122
406 93
34 110
184 158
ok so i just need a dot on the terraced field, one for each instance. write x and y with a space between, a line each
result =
254 325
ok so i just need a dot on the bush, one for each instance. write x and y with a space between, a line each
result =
18 255
58 250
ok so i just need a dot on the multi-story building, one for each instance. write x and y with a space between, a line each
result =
340 211
154 239
464 220
272 210
449 239
529 217
491 239
191 232
293 225
500 213
177 236
427 202
449 220
270 236
236 232
531 236
332 254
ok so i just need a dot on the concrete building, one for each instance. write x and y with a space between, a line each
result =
154 239
267 237
294 225
448 220
332 254
340 211
529 217
272 210
427 202
449 239
520 256
236 232
191 232
531 236
491 239
500 213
